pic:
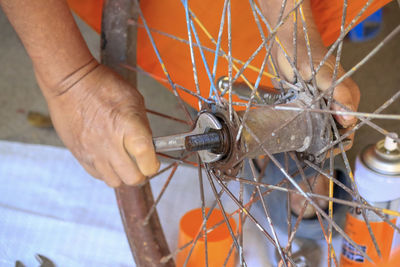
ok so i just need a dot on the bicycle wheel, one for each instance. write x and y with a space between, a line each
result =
294 119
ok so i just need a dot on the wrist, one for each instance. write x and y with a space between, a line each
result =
65 76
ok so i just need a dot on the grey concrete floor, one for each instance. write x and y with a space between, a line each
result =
378 80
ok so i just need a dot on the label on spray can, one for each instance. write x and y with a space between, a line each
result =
377 176
357 230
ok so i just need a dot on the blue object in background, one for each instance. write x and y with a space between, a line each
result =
368 29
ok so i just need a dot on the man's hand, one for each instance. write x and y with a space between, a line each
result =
346 93
102 120
98 116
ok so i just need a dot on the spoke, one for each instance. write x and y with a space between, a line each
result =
222 207
205 63
229 255
218 45
337 62
228 18
153 207
176 38
224 54
188 23
389 37
282 48
247 65
160 79
241 226
193 93
356 127
218 53
341 113
337 228
301 111
254 91
203 209
226 190
371 124
270 37
265 208
376 210
249 205
263 37
314 90
236 201
330 208
166 73
310 188
280 16
192 242
177 162
253 198
354 186
166 116
288 209
312 195
248 105
295 35
163 170
343 34
182 160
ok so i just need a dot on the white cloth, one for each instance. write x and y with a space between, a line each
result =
51 206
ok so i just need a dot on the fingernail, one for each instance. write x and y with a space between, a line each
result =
348 119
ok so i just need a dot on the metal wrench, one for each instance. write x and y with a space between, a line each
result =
44 262
203 137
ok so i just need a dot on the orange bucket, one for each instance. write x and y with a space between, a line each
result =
219 240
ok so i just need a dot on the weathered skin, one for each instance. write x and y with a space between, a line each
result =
98 115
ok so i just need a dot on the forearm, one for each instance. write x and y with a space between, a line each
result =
51 38
271 9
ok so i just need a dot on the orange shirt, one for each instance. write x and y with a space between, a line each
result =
169 16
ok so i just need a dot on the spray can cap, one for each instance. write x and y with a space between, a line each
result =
384 157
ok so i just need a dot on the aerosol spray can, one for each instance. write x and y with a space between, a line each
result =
377 176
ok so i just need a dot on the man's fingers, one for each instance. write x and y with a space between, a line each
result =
346 93
285 68
343 93
109 176
138 143
127 170
142 149
91 170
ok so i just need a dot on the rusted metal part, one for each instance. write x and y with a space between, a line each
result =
147 242
267 128
283 131
207 141
205 123
229 164
263 121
